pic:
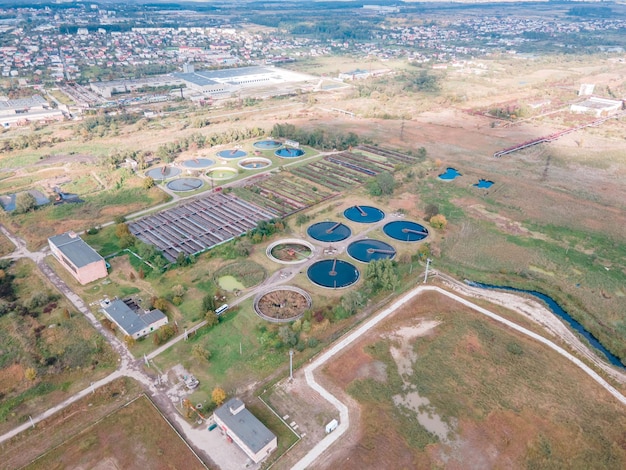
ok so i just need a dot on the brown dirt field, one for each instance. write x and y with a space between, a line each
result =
135 436
51 432
503 438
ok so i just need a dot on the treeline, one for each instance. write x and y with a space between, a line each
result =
334 30
317 138
168 152
399 84
99 126
29 141
591 12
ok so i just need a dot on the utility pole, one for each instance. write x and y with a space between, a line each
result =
290 365
402 130
428 260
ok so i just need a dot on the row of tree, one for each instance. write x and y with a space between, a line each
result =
318 138
168 152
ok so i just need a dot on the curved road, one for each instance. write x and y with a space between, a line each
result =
309 459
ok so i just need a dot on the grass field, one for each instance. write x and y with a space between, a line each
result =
62 350
486 385
135 436
57 429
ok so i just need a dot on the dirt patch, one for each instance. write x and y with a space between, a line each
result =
10 376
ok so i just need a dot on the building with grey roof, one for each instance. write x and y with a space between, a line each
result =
245 429
133 323
82 261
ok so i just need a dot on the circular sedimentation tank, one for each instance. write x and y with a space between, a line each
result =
289 153
364 214
333 273
267 144
282 304
198 163
371 250
290 251
163 173
185 184
254 163
329 231
232 153
405 231
222 173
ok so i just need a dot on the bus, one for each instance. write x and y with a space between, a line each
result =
221 309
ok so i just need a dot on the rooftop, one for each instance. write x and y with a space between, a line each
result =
130 321
244 424
75 249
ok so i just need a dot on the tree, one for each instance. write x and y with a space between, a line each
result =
200 353
148 182
211 319
373 188
381 275
423 251
218 395
181 259
159 303
439 221
386 183
122 230
430 211
24 202
287 335
129 340
178 290
352 301
208 303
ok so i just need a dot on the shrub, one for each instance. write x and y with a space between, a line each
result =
439 221
30 374
218 395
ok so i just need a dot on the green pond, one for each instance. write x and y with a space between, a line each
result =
230 283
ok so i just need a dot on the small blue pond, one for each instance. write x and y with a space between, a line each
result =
329 231
364 214
333 273
483 184
267 144
289 153
405 231
449 175
232 153
371 250
559 312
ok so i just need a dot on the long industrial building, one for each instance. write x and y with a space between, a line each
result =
221 83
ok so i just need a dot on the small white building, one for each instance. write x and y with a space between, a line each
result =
597 106
133 323
245 429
